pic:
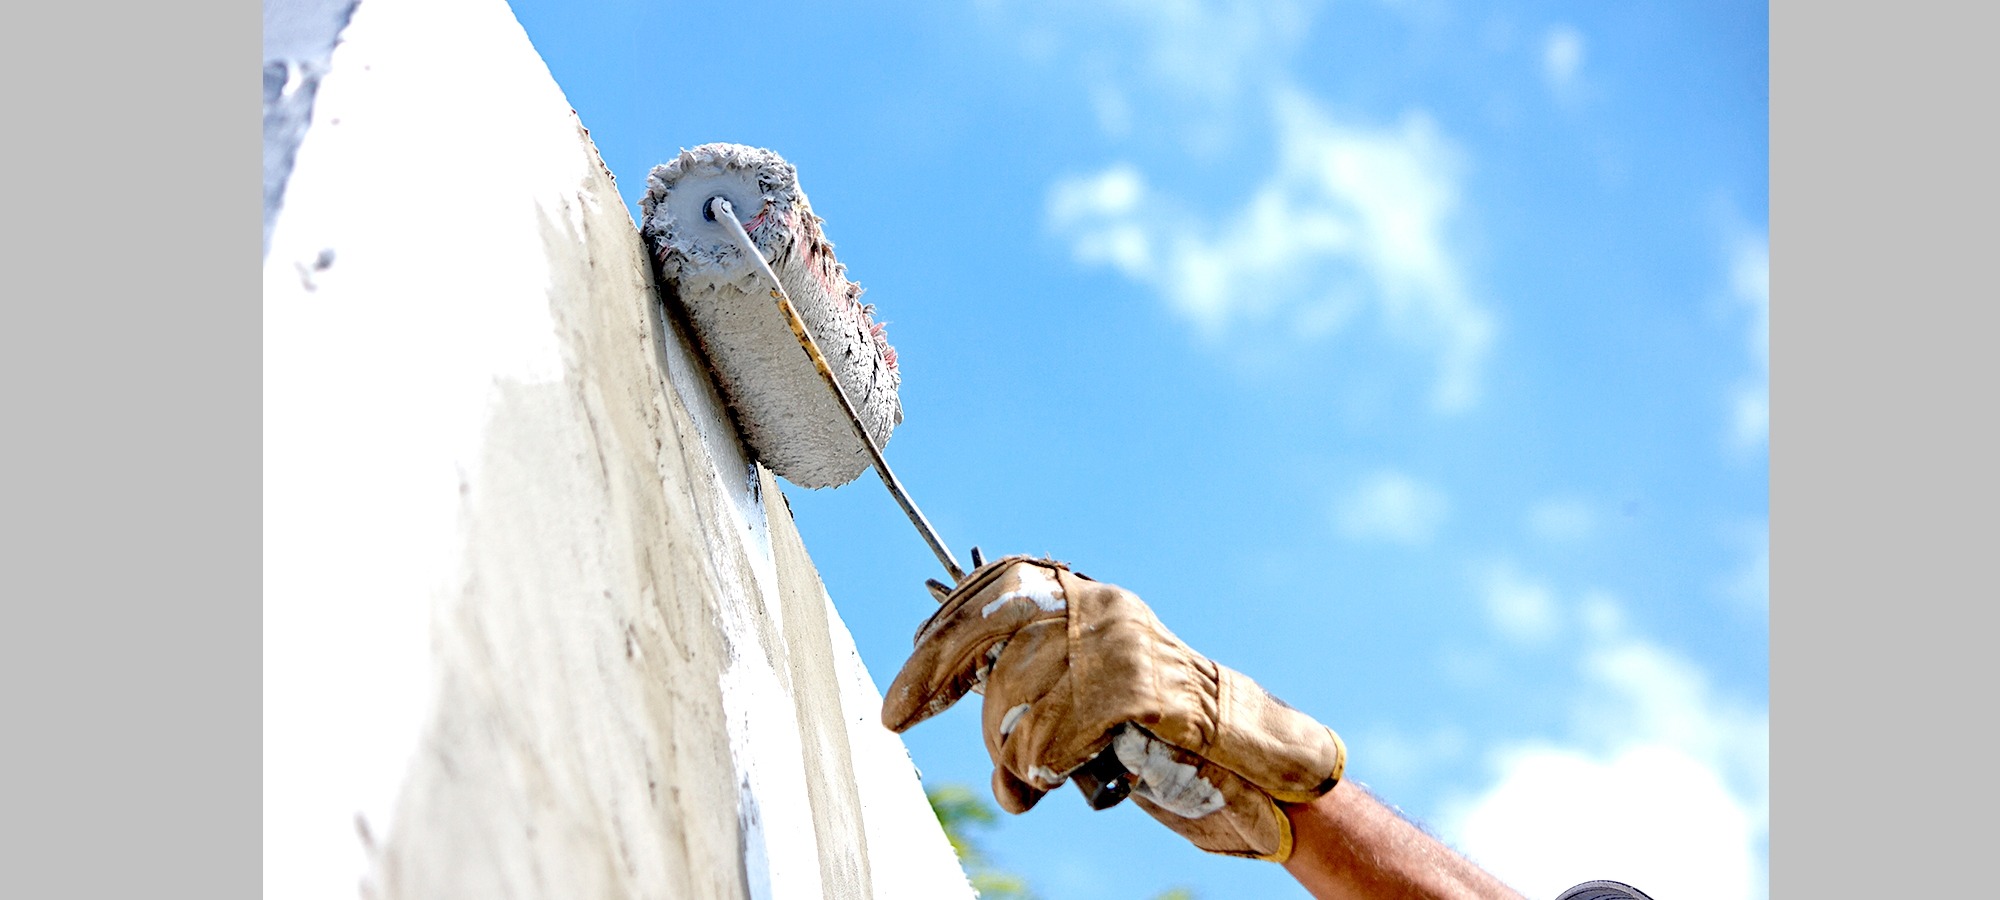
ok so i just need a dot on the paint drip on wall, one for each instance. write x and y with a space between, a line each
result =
786 412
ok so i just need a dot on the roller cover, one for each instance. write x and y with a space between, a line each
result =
787 414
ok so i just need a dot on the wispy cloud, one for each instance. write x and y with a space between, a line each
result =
1750 288
1397 754
1215 49
1562 62
1351 215
1114 112
1354 214
1188 56
1523 610
1663 781
1750 584
1392 507
1561 520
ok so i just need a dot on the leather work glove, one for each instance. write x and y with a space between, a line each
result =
1070 666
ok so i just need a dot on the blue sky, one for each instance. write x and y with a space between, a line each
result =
1407 356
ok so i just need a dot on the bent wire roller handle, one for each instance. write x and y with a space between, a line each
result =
1104 781
719 210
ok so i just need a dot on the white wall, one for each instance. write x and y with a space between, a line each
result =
530 627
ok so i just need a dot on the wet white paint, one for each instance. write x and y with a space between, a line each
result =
1012 718
1046 778
781 851
390 327
985 668
1037 586
908 855
381 361
1175 786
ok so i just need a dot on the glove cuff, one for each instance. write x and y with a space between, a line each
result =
1284 836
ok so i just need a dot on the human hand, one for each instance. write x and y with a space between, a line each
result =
1070 666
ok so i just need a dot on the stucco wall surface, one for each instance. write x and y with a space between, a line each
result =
534 624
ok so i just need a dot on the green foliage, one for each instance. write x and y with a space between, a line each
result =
1001 886
960 811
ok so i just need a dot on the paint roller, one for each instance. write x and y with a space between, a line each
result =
759 290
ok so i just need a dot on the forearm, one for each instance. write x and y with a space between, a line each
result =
1020 629
1348 846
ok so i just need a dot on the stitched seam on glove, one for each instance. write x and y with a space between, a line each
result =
962 594
1220 721
932 703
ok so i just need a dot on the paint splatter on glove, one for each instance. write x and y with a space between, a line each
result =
1070 666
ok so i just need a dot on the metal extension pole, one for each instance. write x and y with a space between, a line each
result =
718 209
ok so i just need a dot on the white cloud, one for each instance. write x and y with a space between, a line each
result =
1562 60
1522 610
1750 281
1651 695
1650 816
1750 286
1114 114
1216 49
1393 507
1111 202
1394 754
1750 584
1663 782
1750 415
1561 520
1600 614
1350 214
1186 49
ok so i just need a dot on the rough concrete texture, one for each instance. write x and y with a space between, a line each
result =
788 415
535 624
